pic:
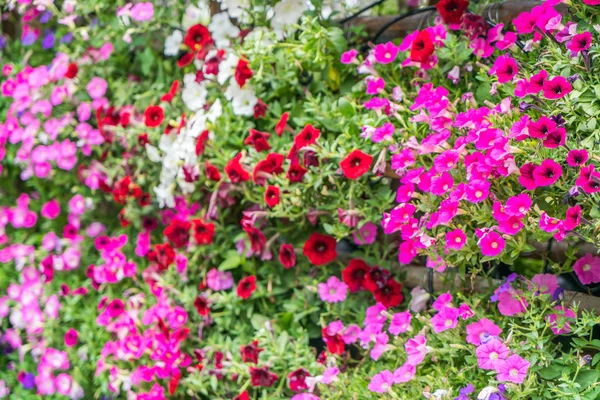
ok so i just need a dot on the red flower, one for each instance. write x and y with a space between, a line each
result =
297 379
258 139
197 37
202 306
311 159
174 382
320 249
335 344
262 377
211 65
422 47
242 72
287 256
257 239
178 232
270 165
186 59
235 171
145 199
296 172
153 116
124 221
143 139
246 287
354 274
376 278
171 94
307 136
272 196
280 127
163 255
72 70
260 109
201 142
242 396
212 172
203 233
389 295
250 352
452 10
356 164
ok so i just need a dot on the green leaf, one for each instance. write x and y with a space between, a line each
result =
346 108
587 378
550 373
232 260
258 321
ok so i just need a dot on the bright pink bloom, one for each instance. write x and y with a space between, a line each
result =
587 269
381 382
481 329
505 68
547 173
536 83
573 218
490 353
577 158
557 88
527 179
96 87
491 244
513 369
518 205
405 373
416 349
333 291
545 283
455 239
446 319
349 56
143 11
400 323
50 209
559 322
580 42
385 53
511 303
442 301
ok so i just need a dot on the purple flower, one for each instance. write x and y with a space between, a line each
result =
333 291
48 41
45 17
67 38
464 392
2 41
28 381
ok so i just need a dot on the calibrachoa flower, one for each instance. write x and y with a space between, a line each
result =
512 369
587 269
333 291
246 287
382 382
320 249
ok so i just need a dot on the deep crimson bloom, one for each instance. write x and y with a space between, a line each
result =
452 10
297 379
257 239
335 343
356 164
262 377
242 72
211 65
174 382
197 37
168 97
235 171
186 59
246 287
242 396
577 158
354 274
153 116
272 196
143 139
201 142
557 88
296 172
422 47
311 159
260 109
320 249
212 172
307 136
389 295
178 232
547 173
270 165
202 306
376 278
72 70
280 127
250 352
203 233
258 139
287 256
163 255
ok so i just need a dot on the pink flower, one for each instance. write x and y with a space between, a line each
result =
96 87
536 83
559 322
71 337
573 218
491 244
481 329
50 209
381 382
381 341
77 204
526 179
442 301
63 383
405 373
143 11
511 303
557 88
490 353
333 291
455 239
219 280
580 42
547 173
518 205
400 323
374 86
446 319
446 161
385 53
416 349
349 56
587 269
577 158
505 68
545 283
365 234
464 311
513 369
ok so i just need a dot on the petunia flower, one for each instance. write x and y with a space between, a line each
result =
556 88
446 318
381 382
514 369
333 291
587 269
505 68
490 353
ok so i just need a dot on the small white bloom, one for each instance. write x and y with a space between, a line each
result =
152 152
287 12
196 15
235 8
173 42
194 96
222 30
486 393
227 68
243 102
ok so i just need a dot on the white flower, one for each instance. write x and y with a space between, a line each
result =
242 100
287 12
196 15
194 95
222 30
260 38
173 42
164 195
227 68
152 152
235 8
486 393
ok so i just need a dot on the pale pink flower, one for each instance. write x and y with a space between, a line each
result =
488 354
513 369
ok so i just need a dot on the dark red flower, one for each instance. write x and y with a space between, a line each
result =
296 172
203 233
242 72
202 306
171 94
143 139
376 278
262 377
122 219
297 379
257 239
211 65
145 199
260 109
307 136
452 10
280 127
250 352
246 287
287 256
242 396
422 47
197 37
124 119
270 165
322 358
163 255
272 196
474 26
153 116
174 382
354 274
335 343
201 142
186 59
356 164
311 159
72 70
212 172
235 171
258 139
320 249
178 232
389 295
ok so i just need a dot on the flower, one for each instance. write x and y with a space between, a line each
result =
390 295
250 352
416 349
96 88
272 196
455 239
219 280
587 269
446 319
202 306
356 164
178 232
307 136
577 158
333 291
246 287
153 116
354 274
505 68
491 244
580 42
452 10
559 321
262 377
287 256
71 337
381 382
513 369
197 37
320 249
405 373
545 283
366 234
557 88
400 323
143 11
511 303
282 123
203 232
385 53
297 379
489 353
422 47
235 171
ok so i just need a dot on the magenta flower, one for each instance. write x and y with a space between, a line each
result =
545 283
547 173
480 329
333 291
559 322
446 319
513 369
573 218
96 87
465 311
536 83
143 11
577 158
405 373
219 280
489 354
518 205
385 53
526 178
511 303
50 209
442 301
381 341
446 161
580 42
505 68
587 269
400 323
374 86
349 56
556 88
491 244
77 204
455 239
366 234
416 349
381 382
